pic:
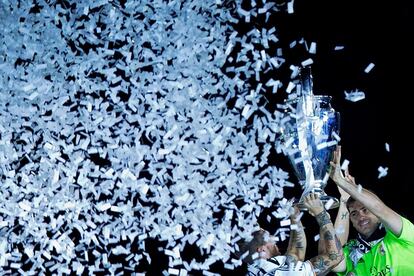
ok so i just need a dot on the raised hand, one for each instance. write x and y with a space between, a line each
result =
336 173
313 203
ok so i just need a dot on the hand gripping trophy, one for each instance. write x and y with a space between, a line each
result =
308 138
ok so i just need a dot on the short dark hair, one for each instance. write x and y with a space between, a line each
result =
351 200
250 245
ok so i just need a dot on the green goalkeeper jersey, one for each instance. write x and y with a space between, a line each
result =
391 255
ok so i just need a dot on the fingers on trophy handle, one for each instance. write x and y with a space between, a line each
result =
337 155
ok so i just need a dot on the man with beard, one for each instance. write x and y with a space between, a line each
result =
263 257
385 242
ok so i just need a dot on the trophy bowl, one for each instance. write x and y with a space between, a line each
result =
309 137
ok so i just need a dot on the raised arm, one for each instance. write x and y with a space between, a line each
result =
341 224
342 218
332 252
297 241
389 218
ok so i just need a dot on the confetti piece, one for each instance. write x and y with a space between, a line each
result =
329 203
312 48
345 165
354 96
369 68
382 171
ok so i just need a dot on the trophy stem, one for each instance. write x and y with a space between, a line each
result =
329 202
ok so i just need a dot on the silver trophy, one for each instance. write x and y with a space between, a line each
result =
309 137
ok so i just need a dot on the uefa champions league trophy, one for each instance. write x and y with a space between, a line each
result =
308 138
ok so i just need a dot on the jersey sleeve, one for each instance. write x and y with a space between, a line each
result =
308 269
407 233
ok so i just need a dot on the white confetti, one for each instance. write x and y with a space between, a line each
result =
290 87
329 203
290 6
354 96
369 68
336 136
285 222
312 48
345 165
382 171
25 206
307 62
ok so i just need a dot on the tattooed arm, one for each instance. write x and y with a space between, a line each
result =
297 241
332 253
342 218
341 222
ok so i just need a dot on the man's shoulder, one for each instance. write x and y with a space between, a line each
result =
261 266
407 229
407 232
279 265
406 222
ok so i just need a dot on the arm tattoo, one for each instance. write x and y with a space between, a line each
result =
328 236
332 251
291 259
344 215
333 256
320 265
338 243
299 244
323 218
299 236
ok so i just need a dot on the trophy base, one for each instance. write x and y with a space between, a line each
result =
329 202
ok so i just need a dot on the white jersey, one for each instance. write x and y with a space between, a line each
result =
277 266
